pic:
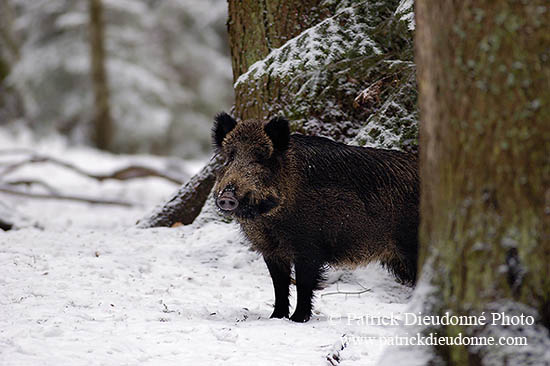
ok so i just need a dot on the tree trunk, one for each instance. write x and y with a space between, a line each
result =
185 204
102 124
254 29
351 67
347 74
11 105
484 82
9 49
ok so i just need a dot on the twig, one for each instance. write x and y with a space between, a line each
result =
126 173
29 182
363 287
63 197
136 171
338 292
10 168
346 292
335 357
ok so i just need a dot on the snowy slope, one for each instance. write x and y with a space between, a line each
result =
85 287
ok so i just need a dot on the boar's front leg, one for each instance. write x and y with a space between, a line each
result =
280 275
309 275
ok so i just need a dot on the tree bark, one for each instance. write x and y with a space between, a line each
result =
255 28
9 49
102 124
185 204
11 105
347 73
484 83
377 51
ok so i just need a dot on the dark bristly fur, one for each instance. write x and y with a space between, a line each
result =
223 124
311 202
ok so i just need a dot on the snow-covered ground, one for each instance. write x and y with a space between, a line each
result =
81 285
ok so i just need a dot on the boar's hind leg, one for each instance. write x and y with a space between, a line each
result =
280 275
309 275
404 262
403 266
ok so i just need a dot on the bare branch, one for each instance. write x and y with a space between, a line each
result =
126 173
137 171
8 190
346 292
335 357
30 182
338 292
12 167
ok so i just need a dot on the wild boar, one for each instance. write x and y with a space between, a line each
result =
310 202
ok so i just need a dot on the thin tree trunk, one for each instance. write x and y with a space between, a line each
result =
7 38
11 105
484 82
103 124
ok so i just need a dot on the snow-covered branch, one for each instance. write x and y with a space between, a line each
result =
185 204
8 190
125 173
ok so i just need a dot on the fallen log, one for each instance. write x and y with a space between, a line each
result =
186 203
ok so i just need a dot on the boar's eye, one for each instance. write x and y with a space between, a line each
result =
230 158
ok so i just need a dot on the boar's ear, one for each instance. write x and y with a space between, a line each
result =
223 124
279 132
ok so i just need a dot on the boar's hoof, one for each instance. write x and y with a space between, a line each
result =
227 201
279 314
300 317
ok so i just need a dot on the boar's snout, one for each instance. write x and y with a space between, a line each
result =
227 201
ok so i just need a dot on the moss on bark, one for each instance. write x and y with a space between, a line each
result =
338 68
485 205
350 77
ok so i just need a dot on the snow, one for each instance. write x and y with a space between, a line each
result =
362 45
316 47
537 349
71 20
423 299
405 9
81 285
168 67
